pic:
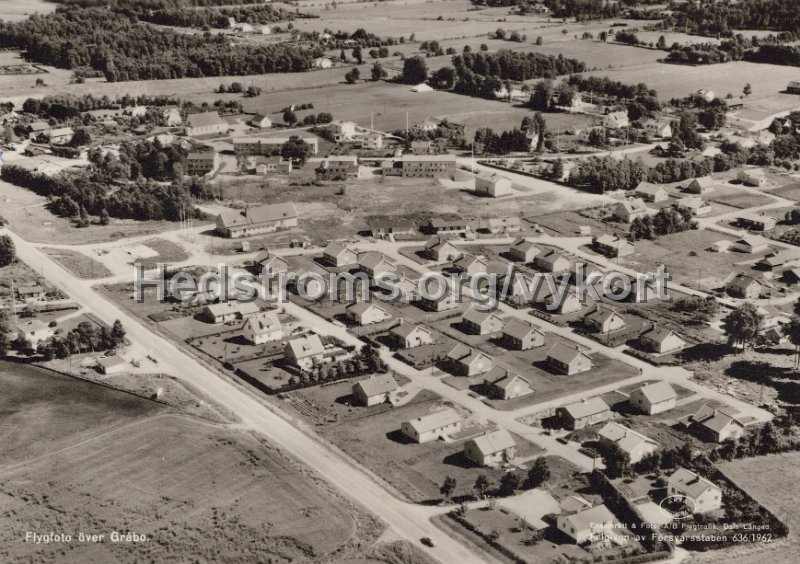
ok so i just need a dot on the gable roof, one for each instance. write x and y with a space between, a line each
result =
435 420
649 188
264 323
372 259
305 346
259 214
691 484
601 315
633 205
657 392
377 385
625 438
585 520
564 353
205 119
242 308
518 329
714 419
477 316
111 361
502 378
524 245
494 442
404 330
586 407
359 308
336 249
659 334
704 181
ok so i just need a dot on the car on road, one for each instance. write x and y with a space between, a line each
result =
428 541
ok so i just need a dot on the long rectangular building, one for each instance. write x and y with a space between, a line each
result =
421 166
265 146
257 220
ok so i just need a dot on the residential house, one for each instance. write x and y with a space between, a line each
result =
500 384
108 365
751 244
522 336
339 254
745 286
391 227
245 147
340 165
650 192
429 124
257 220
375 390
696 205
205 123
260 121
408 289
491 449
715 425
654 398
407 335
422 148
60 135
569 303
630 209
569 360
135 111
372 141
366 313
584 413
702 185
704 494
37 128
171 117
374 263
432 427
471 265
481 322
588 525
753 177
304 352
495 225
244 27
604 321
263 328
343 130
658 129
449 227
30 292
34 331
552 261
273 164
446 303
441 250
616 120
493 186
201 163
224 312
523 250
468 362
613 247
636 445
662 341
266 261
756 222
322 63
707 95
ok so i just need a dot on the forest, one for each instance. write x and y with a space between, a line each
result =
217 18
712 17
116 44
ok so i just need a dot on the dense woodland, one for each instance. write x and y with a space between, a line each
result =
216 17
122 48
721 17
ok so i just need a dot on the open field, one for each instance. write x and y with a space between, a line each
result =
20 9
43 411
79 264
245 499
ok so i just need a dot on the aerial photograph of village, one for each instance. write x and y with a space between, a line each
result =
400 281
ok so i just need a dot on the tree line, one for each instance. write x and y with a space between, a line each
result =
122 48
721 18
218 18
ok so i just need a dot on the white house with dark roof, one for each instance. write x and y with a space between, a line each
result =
373 263
481 322
270 262
636 445
491 449
375 390
263 328
654 398
716 425
704 494
441 250
522 336
569 360
466 361
256 220
432 427
604 321
583 413
471 265
408 335
552 261
523 250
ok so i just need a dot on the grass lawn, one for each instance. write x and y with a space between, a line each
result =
77 263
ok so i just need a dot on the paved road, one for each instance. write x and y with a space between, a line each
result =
407 520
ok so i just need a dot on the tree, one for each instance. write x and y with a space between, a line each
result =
448 487
415 70
747 90
378 72
792 331
556 171
105 219
482 485
539 473
542 96
7 250
742 325
289 117
484 47
83 217
509 483
661 43
5 343
444 78
357 55
352 76
117 332
80 138
618 462
296 150
603 36
539 40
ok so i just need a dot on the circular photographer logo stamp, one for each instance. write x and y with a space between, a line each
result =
677 506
